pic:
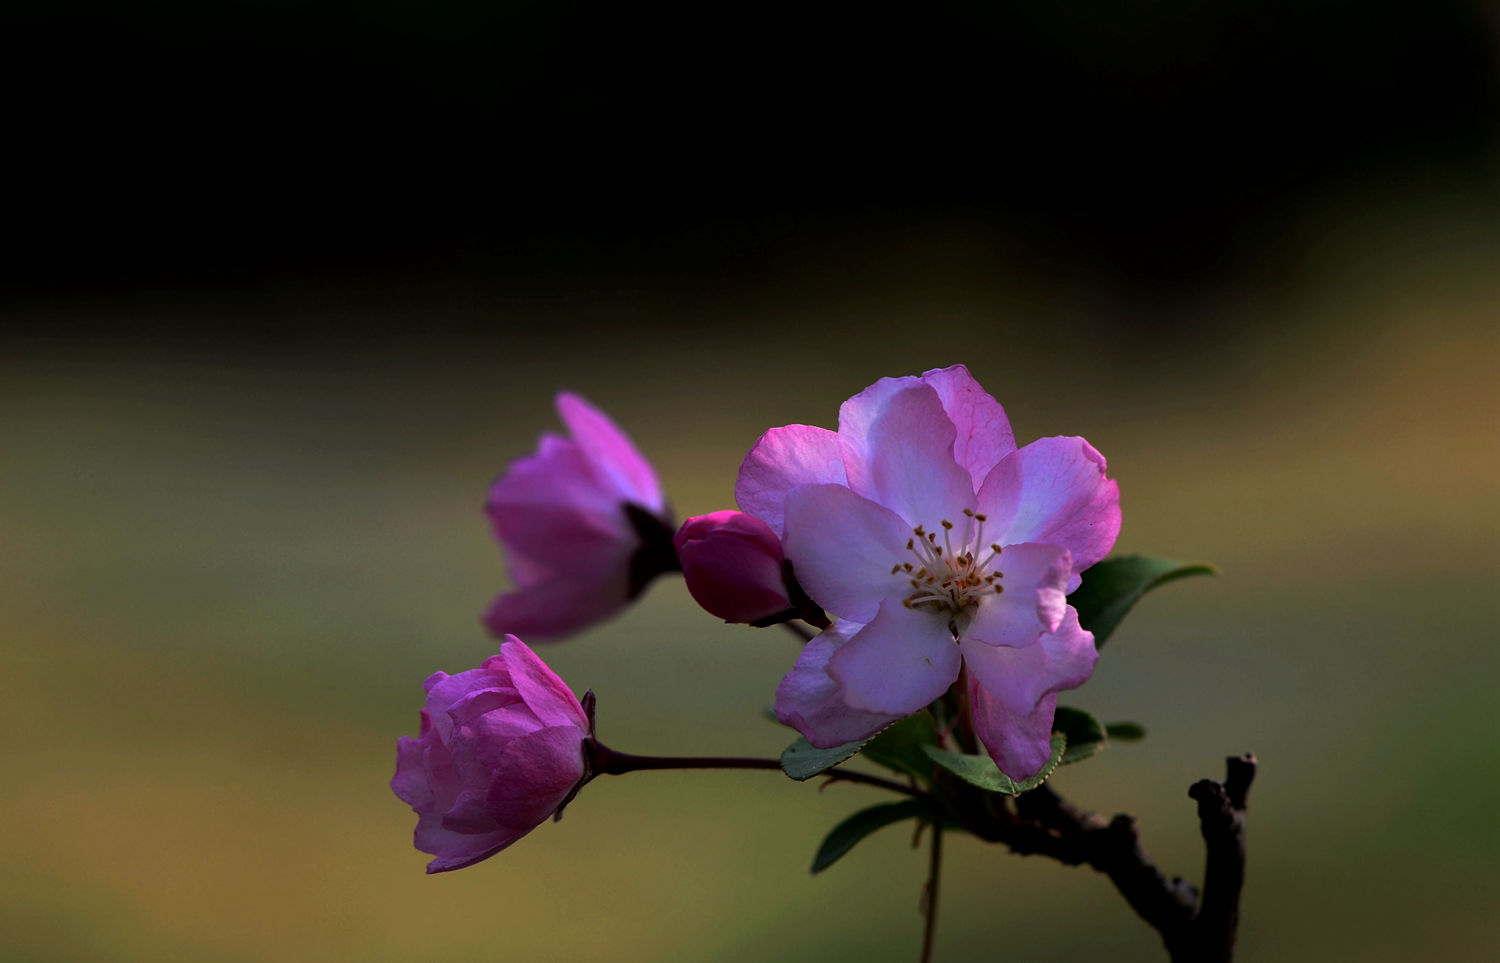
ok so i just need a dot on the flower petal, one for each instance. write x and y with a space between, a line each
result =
443 780
479 747
410 781
609 450
781 460
898 663
842 548
808 698
1035 582
1054 491
470 813
545 693
535 776
550 510
444 691
898 451
475 704
1020 743
1013 692
559 606
456 850
983 434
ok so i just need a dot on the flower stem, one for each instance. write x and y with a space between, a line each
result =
797 630
604 760
930 893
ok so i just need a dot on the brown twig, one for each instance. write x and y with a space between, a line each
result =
930 894
1194 930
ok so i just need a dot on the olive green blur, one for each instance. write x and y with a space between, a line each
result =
225 571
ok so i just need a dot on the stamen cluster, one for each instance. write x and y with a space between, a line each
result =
949 579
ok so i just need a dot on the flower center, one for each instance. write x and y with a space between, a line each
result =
948 578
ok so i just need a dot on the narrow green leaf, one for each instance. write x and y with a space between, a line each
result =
1126 731
847 834
981 771
1110 588
899 747
769 715
1086 737
801 761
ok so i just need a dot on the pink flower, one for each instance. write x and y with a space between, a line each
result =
501 748
584 526
940 546
733 566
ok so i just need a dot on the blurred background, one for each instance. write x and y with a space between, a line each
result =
288 284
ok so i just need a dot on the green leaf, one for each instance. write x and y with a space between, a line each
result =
769 715
1126 731
899 747
801 761
1086 737
1110 588
981 771
848 833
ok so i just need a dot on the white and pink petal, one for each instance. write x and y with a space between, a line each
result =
901 456
1035 581
898 663
982 431
1013 692
781 460
808 698
1054 490
842 548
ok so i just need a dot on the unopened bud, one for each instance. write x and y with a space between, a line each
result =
733 566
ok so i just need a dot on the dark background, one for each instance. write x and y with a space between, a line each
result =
1146 146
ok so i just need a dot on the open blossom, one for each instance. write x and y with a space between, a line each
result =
940 546
584 526
732 564
500 749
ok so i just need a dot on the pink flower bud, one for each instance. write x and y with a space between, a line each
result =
733 566
501 748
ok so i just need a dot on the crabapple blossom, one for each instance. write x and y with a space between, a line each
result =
940 546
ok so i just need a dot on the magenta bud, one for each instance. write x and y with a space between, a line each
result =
733 566
501 748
